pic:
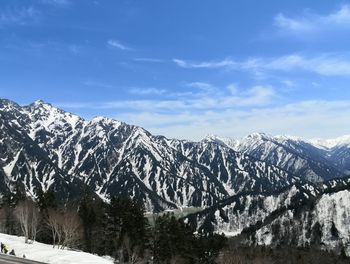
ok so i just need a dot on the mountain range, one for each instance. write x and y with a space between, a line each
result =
249 186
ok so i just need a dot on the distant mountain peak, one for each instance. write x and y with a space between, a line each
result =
331 143
39 102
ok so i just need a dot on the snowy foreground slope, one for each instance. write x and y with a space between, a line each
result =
47 254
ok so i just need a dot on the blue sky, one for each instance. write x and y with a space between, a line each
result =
184 68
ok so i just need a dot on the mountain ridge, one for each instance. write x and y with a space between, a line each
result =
115 158
248 187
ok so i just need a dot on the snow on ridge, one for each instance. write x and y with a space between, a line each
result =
253 137
9 167
332 142
98 119
235 143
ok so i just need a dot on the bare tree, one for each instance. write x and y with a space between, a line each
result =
54 219
65 227
34 222
27 215
231 257
70 226
134 252
22 215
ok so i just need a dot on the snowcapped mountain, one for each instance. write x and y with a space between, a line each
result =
249 187
297 156
331 143
22 160
299 215
114 158
45 147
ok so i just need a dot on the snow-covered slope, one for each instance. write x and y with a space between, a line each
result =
292 154
237 213
325 224
47 254
331 143
23 161
114 158
244 185
336 151
299 215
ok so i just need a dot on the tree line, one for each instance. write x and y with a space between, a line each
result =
118 228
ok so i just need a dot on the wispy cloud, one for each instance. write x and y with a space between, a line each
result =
18 16
206 64
232 88
326 64
56 2
98 84
313 23
147 91
247 111
323 64
117 44
54 48
203 86
288 83
148 60
308 119
255 96
305 119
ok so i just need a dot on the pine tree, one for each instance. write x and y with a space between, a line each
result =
128 229
88 216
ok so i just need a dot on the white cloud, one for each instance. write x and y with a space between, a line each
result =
98 84
232 88
148 60
315 84
254 97
207 64
306 119
203 86
323 64
313 23
326 64
117 44
259 95
147 91
294 25
288 83
204 97
56 2
18 16
228 116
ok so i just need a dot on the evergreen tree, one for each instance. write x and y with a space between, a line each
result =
128 229
87 213
45 200
9 202
173 239
207 247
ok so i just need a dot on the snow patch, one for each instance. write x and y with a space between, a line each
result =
45 253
